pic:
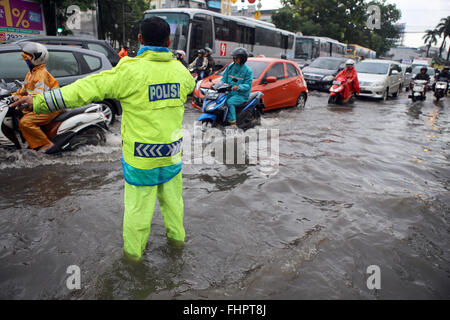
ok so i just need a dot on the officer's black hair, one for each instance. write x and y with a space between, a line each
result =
155 31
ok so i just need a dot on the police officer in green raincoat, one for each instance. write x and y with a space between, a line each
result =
152 89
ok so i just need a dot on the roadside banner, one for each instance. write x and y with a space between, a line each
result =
20 18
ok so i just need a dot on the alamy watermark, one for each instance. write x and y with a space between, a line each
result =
374 20
73 282
374 280
256 147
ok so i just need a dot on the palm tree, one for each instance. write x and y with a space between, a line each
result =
444 30
430 37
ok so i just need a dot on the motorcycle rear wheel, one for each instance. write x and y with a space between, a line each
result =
91 136
248 119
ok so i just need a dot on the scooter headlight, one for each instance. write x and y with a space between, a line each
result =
211 106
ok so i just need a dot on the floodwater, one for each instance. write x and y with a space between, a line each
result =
355 186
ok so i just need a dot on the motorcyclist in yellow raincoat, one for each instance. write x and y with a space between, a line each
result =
36 81
152 89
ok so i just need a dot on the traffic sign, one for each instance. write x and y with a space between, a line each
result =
257 15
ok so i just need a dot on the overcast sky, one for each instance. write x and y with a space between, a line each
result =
418 15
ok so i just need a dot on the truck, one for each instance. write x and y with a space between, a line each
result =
421 62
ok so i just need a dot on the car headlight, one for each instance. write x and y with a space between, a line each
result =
328 78
197 86
377 84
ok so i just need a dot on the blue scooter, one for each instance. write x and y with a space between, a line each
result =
215 109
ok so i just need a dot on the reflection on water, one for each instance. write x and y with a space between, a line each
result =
366 184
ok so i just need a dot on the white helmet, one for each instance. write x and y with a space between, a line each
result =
37 51
350 61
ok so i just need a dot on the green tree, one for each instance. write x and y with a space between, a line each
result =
430 38
444 31
343 20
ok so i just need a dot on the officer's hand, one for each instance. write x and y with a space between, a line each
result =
235 87
24 103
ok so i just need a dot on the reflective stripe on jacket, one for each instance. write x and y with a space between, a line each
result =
37 81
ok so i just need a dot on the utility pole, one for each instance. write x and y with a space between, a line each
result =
123 27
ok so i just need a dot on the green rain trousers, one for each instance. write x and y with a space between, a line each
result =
140 203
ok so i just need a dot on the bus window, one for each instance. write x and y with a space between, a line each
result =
226 30
179 26
247 34
304 48
201 34
290 41
266 37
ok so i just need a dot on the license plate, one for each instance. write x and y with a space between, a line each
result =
211 95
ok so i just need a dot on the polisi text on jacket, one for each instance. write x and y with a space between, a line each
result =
164 91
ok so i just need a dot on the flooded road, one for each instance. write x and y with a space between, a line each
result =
355 187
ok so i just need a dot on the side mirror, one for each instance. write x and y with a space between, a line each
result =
271 79
393 72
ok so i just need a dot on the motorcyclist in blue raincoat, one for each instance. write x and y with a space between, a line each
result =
240 76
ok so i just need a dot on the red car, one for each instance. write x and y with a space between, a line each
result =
280 80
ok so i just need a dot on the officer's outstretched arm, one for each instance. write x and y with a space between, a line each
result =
112 84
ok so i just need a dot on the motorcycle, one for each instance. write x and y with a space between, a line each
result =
69 130
440 89
337 91
215 109
418 90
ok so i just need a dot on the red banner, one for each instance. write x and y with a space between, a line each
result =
223 49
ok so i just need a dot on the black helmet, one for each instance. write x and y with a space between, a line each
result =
423 68
202 51
241 53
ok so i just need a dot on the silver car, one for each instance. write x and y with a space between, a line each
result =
407 76
379 78
66 63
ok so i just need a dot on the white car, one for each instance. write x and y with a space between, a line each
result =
379 78
407 76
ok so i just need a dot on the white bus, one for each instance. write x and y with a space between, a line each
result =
194 29
308 48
